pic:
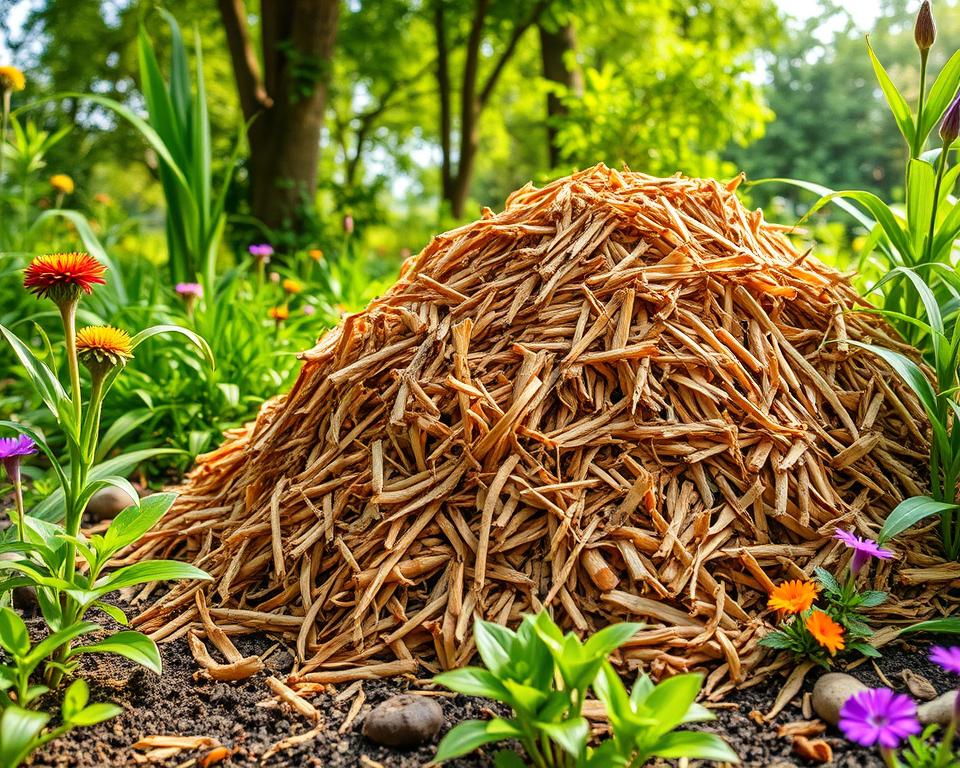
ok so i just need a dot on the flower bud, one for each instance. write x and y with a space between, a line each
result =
925 31
950 127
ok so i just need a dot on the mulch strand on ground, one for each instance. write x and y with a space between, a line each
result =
623 397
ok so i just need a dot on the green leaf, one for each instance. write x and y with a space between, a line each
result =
506 758
898 105
75 698
196 339
41 444
671 699
49 644
51 507
14 636
138 573
694 745
608 639
872 598
131 645
19 731
941 94
828 580
865 649
133 522
493 644
923 179
473 681
570 734
466 737
909 512
43 379
113 612
948 626
95 713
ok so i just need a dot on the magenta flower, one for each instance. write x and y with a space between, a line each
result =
190 289
309 309
863 550
947 659
262 252
879 717
348 224
14 448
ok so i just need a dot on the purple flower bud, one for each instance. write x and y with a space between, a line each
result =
925 31
348 224
950 127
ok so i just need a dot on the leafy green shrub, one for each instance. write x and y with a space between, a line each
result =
544 675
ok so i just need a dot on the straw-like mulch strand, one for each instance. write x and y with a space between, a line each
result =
623 397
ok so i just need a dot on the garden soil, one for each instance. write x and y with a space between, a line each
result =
234 715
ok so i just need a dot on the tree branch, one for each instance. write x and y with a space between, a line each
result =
487 91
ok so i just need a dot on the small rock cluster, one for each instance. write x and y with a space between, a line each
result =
834 688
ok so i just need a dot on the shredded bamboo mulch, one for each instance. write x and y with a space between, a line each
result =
623 397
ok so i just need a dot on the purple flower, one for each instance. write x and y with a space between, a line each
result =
879 717
190 289
946 658
309 309
262 252
15 447
863 550
12 449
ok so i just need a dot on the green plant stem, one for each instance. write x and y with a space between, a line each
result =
4 117
941 167
18 504
68 314
919 140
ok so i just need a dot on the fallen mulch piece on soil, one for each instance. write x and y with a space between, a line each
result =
815 750
164 747
623 397
292 741
296 701
802 728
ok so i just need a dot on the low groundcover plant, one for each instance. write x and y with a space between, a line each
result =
43 545
544 675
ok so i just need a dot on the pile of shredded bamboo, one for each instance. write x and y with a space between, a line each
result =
619 398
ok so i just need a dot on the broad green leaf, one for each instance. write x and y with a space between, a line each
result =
14 636
19 730
138 573
466 737
473 681
695 745
493 644
131 645
113 612
75 698
671 699
608 639
920 201
134 522
909 512
95 713
45 648
570 734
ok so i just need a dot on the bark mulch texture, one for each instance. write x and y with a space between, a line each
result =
623 397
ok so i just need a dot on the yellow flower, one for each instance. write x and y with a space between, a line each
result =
280 313
292 286
12 79
101 347
62 183
793 596
316 254
825 631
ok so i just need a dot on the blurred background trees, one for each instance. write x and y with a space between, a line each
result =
412 114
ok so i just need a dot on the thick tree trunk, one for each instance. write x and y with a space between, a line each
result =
556 47
288 103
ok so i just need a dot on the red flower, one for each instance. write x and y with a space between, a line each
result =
63 275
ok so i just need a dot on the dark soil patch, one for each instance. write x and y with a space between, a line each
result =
234 714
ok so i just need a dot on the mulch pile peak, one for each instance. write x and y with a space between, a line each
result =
623 397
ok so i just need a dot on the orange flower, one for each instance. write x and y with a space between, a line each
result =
316 254
292 286
793 596
103 343
825 631
280 313
62 276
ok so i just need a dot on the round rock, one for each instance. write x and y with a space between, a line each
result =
831 691
939 711
107 503
404 721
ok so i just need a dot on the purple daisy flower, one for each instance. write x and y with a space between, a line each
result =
189 289
12 449
863 550
946 658
262 251
879 717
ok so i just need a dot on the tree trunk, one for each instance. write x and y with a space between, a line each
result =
556 49
288 103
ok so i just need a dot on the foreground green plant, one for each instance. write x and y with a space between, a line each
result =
43 550
544 676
